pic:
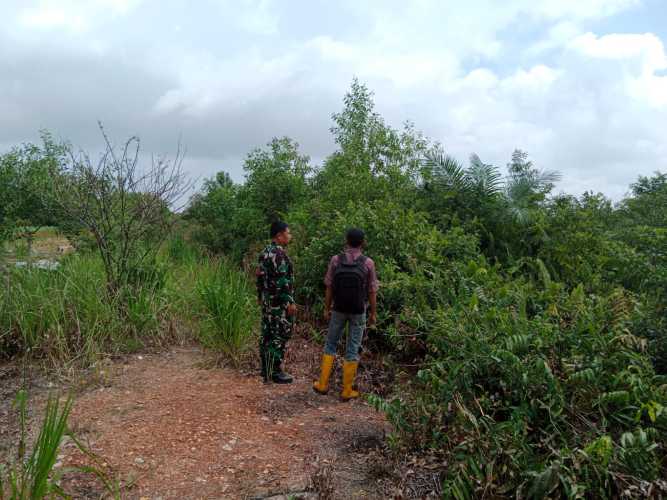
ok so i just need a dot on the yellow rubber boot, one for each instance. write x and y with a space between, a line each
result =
349 373
322 386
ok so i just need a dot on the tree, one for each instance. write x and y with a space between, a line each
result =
647 203
368 144
374 161
127 209
26 202
225 222
526 186
276 178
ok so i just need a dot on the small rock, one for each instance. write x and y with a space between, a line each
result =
139 461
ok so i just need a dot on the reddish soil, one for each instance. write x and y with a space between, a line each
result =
165 426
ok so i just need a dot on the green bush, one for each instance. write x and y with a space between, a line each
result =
535 389
400 240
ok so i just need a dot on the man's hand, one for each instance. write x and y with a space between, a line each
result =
327 314
291 309
372 319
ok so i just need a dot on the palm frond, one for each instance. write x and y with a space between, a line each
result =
447 172
520 190
546 178
485 177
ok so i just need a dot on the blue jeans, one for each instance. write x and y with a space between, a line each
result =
337 323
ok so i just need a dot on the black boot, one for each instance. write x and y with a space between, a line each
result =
280 377
263 372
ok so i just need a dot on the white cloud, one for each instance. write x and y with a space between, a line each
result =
580 9
483 76
52 17
537 79
639 58
70 15
646 49
258 17
558 36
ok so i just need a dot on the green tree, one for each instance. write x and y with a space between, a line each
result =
276 178
226 223
26 196
373 161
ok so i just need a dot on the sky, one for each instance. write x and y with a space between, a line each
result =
581 85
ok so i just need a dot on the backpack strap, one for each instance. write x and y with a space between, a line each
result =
361 259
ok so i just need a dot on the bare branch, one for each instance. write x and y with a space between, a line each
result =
129 210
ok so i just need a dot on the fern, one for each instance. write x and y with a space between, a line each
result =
616 398
517 343
586 376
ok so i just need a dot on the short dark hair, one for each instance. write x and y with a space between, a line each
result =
355 237
277 227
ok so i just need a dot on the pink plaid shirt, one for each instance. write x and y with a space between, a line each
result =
351 254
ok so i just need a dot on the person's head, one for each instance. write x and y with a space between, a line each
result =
355 237
280 233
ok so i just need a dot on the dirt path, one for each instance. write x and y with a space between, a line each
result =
178 430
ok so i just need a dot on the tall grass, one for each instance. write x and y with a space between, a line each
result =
179 251
229 313
65 314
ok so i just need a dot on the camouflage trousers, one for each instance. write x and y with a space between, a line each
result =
276 331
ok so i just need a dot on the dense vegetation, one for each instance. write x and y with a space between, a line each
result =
537 321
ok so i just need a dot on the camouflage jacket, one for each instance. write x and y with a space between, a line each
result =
275 277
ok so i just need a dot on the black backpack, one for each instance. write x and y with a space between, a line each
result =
349 283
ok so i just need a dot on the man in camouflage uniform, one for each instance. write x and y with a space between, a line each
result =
275 293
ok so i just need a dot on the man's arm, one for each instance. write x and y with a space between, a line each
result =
328 282
259 281
284 283
328 296
373 285
372 303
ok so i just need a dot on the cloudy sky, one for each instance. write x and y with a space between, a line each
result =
579 84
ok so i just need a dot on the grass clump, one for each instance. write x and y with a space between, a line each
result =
32 476
229 314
